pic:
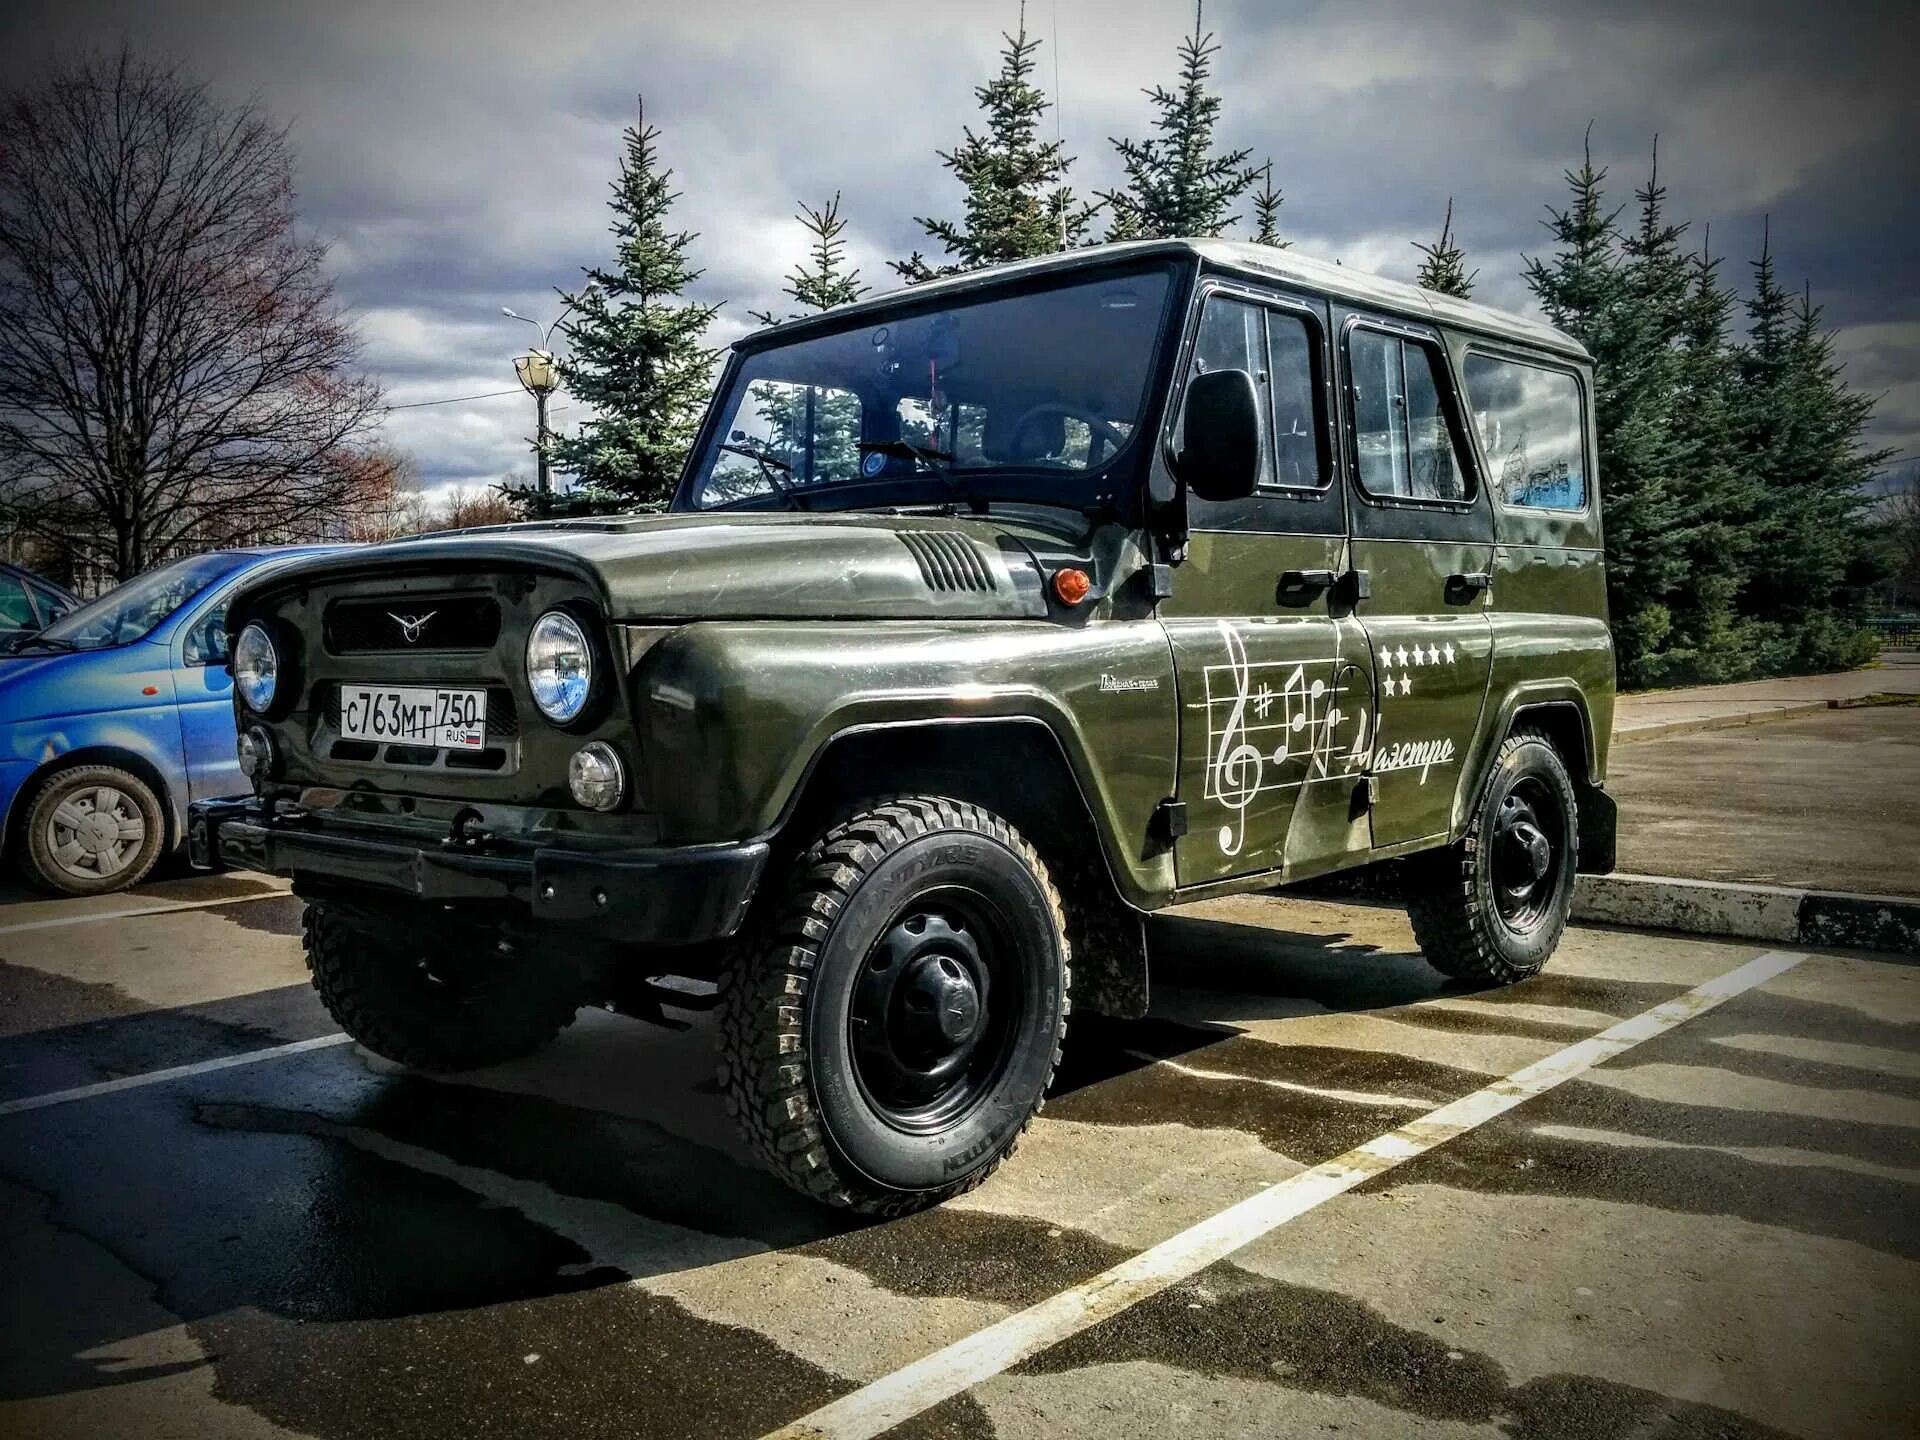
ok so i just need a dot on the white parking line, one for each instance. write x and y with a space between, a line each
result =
886 1402
172 1072
61 920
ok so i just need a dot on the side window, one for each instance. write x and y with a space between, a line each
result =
1403 447
16 612
1529 423
206 643
52 606
1233 336
1297 461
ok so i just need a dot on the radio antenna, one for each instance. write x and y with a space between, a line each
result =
1059 101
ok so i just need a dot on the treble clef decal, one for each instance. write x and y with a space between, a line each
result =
1237 765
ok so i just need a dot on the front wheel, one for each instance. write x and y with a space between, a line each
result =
1492 908
90 830
893 1031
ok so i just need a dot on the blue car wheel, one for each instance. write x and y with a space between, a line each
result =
91 829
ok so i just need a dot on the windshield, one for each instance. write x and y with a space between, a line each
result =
1026 396
130 612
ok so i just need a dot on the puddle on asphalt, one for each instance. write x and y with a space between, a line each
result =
279 916
1229 1322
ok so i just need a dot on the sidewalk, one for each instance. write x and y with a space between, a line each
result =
1712 707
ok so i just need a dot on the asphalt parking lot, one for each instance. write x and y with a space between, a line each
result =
1711 1233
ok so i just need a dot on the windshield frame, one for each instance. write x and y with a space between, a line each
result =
81 616
1118 481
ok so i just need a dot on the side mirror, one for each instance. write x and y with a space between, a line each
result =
1220 444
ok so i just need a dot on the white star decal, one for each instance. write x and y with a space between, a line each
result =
1419 656
1400 657
1406 684
1449 652
1433 653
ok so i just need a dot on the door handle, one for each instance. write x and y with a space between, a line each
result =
1470 581
1307 580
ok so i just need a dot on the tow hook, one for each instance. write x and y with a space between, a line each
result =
465 833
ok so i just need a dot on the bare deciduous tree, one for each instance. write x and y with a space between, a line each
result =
173 365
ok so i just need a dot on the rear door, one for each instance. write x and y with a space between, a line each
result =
1423 537
1254 621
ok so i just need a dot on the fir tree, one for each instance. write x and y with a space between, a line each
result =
1176 184
1587 290
1444 271
1266 211
827 283
635 351
1799 429
1018 203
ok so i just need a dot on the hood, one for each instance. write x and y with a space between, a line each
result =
780 566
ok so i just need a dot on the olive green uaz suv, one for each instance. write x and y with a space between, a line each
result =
988 617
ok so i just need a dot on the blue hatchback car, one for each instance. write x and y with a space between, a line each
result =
114 717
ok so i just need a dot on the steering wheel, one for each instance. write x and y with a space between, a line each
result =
1105 429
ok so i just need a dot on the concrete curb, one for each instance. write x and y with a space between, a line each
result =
1773 913
1720 722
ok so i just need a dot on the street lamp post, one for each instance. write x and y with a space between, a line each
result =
540 377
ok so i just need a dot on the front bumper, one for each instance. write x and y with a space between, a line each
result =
641 895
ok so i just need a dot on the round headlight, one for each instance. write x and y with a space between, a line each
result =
595 777
559 666
256 667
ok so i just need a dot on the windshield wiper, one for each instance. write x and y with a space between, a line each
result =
938 463
770 466
25 642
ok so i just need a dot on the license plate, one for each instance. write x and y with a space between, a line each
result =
414 715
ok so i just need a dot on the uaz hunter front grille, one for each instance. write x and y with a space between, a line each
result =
417 622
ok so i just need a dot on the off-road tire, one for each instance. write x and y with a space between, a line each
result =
370 969
35 859
800 949
1449 892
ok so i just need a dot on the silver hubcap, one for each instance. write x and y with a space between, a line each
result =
95 833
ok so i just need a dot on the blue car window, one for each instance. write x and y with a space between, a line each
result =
134 610
16 611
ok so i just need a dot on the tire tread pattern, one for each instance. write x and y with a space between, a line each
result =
763 1059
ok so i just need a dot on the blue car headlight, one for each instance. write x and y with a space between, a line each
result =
559 666
256 668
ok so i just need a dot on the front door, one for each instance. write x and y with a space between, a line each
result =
1268 709
1423 536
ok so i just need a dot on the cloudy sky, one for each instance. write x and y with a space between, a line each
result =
456 155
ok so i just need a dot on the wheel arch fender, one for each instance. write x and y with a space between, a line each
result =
1021 768
121 758
1558 708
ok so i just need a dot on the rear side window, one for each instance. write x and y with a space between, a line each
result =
1529 423
1404 448
15 612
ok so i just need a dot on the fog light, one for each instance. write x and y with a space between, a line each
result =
595 776
255 748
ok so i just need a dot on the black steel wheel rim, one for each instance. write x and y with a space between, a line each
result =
1529 844
935 1008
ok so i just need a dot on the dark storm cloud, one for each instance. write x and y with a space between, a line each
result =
457 155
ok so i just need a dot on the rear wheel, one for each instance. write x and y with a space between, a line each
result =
90 830
1492 907
893 1031
436 999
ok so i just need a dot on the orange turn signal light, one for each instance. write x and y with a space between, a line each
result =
1071 585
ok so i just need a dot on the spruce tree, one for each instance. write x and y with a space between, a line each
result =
1587 290
1266 211
828 282
1444 271
1799 429
1176 183
635 352
1710 642
1018 203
